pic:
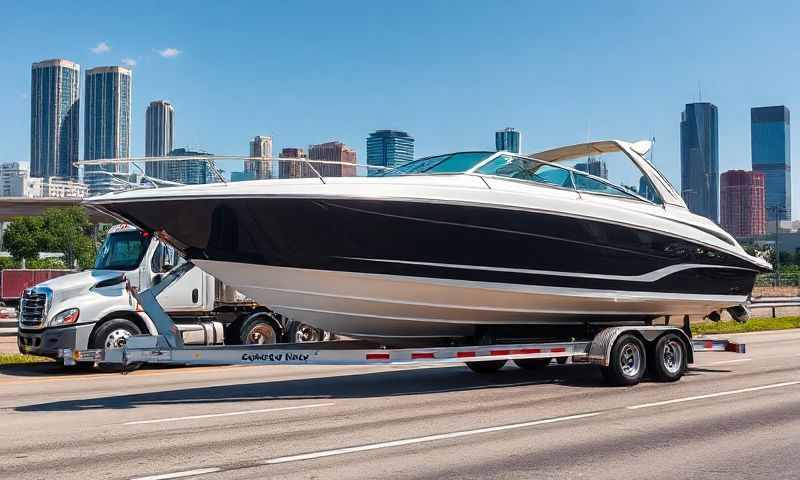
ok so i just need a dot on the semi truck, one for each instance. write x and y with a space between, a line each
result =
78 311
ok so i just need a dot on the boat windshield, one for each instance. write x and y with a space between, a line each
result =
450 163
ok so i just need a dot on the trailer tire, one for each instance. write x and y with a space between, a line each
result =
627 363
532 363
258 330
668 358
113 334
298 332
490 366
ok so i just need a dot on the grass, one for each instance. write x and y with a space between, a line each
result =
18 358
754 325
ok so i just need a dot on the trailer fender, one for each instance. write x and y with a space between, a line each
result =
603 342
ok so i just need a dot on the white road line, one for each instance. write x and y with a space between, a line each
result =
229 414
738 360
429 438
712 395
187 473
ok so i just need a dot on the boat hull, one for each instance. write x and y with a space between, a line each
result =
413 268
392 306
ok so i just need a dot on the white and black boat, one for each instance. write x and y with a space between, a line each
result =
445 245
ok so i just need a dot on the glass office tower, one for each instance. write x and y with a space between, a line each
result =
507 139
770 150
389 148
700 159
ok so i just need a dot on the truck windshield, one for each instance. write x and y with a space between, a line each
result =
122 251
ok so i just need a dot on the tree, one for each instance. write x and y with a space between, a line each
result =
23 238
64 230
68 231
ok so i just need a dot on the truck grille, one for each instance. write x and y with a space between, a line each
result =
32 309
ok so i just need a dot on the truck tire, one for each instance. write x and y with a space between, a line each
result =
113 334
532 363
298 332
258 330
668 358
490 366
628 361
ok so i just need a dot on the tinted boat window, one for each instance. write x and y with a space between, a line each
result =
615 167
589 184
527 169
452 163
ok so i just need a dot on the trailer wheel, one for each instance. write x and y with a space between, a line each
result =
114 334
532 363
258 330
669 358
627 363
303 333
490 366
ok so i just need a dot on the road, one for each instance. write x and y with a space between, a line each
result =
732 416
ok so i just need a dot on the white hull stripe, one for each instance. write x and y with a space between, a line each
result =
646 277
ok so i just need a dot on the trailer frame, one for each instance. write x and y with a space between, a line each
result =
167 346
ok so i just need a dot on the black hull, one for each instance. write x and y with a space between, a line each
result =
475 243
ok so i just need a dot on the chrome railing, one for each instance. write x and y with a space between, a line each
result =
308 168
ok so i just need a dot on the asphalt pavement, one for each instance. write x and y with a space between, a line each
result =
732 416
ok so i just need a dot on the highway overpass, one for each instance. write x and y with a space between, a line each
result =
11 207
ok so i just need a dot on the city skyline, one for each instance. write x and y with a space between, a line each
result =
458 99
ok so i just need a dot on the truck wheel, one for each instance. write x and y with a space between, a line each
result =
669 358
303 333
258 330
490 366
532 363
627 363
114 334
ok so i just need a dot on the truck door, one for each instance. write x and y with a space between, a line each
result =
188 293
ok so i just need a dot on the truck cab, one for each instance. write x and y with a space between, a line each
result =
95 308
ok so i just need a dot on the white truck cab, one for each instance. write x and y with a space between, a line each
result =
94 308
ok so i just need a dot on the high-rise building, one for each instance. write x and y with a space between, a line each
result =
16 181
700 159
593 166
107 126
742 212
55 118
260 147
294 169
389 149
159 136
189 171
333 152
770 150
508 140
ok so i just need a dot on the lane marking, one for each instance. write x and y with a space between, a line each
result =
428 438
713 395
187 473
228 414
723 362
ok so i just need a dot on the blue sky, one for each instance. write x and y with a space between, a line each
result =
449 73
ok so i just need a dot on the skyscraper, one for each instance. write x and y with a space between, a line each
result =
333 152
593 166
55 117
700 159
770 149
107 126
261 147
389 148
742 211
293 169
189 171
507 139
159 135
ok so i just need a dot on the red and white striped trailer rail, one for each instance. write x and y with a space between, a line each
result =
622 352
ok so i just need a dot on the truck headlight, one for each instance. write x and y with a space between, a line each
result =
67 317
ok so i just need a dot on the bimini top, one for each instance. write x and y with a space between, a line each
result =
553 167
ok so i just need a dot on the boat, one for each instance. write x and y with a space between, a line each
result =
451 245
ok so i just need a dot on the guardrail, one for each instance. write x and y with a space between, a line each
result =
773 303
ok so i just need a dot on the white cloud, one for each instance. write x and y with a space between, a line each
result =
129 62
101 48
169 52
